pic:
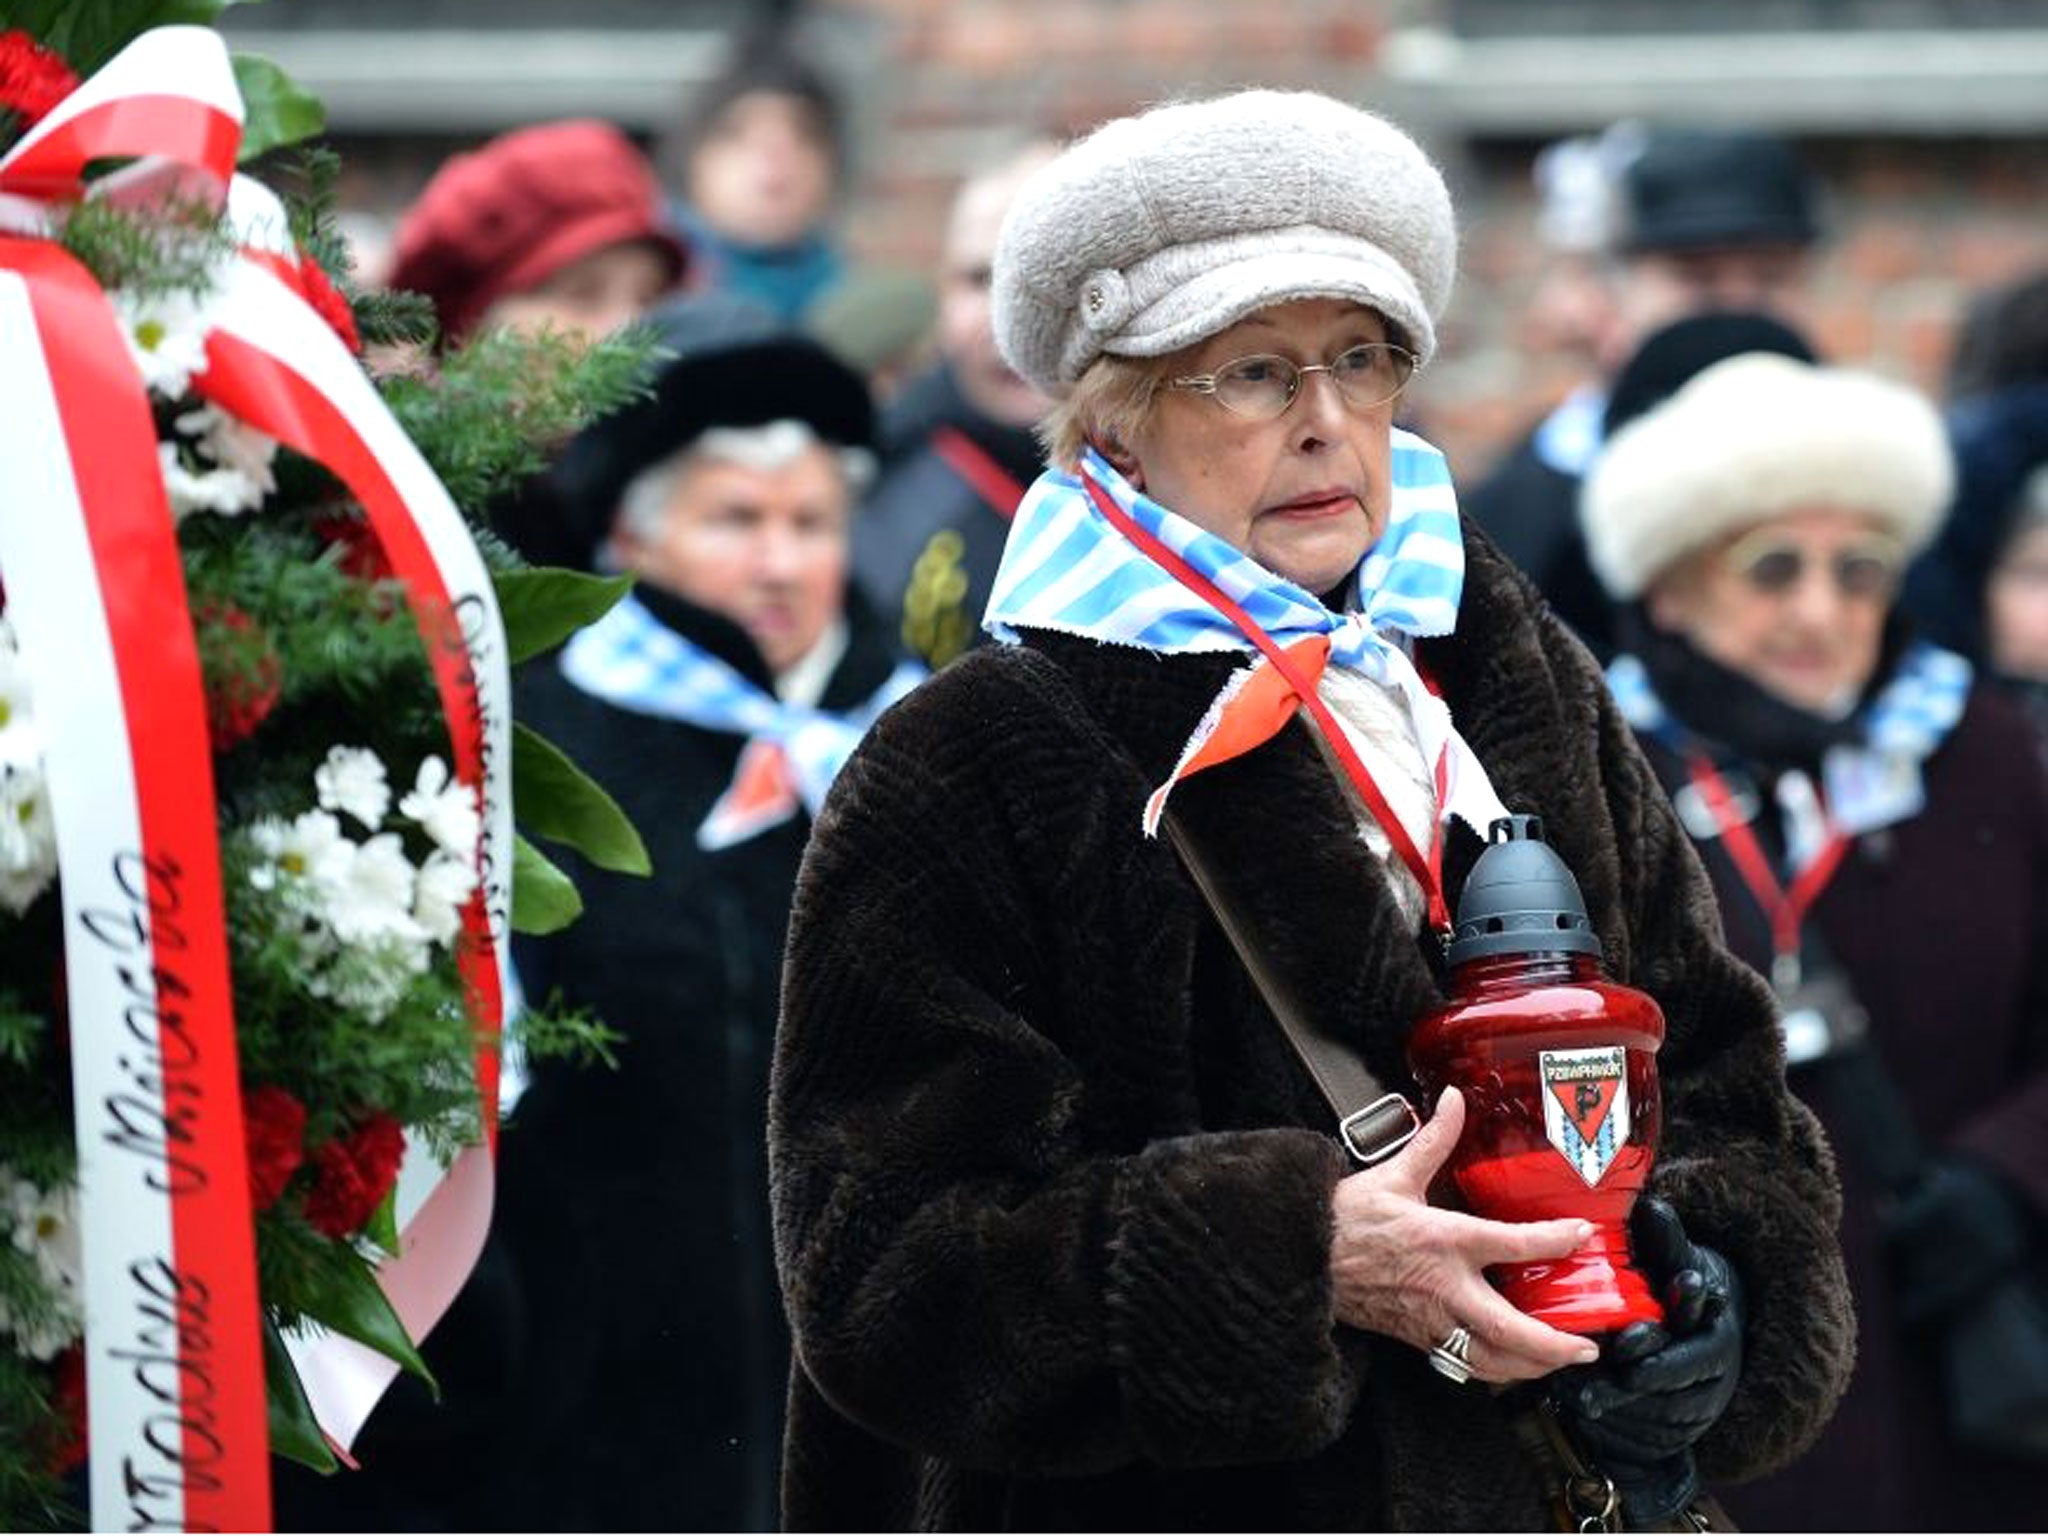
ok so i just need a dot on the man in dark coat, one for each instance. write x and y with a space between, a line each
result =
634 1200
1709 220
957 447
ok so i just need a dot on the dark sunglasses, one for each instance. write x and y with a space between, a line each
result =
1774 566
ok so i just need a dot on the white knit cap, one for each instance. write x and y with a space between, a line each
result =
1158 231
1750 438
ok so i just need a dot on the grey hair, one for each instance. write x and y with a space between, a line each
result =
773 446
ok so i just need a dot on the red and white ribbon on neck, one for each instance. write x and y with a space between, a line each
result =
174 1371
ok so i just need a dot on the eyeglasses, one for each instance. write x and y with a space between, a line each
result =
1774 567
1263 386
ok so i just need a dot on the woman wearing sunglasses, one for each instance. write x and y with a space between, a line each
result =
1875 824
1067 1233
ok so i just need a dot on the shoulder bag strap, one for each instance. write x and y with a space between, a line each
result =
1372 1123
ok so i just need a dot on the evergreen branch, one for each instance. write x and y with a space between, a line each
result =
505 403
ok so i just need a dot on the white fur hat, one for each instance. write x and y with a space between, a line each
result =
1749 438
1160 230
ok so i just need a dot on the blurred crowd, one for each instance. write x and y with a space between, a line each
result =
1822 598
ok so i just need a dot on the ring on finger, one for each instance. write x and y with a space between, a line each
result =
1453 1357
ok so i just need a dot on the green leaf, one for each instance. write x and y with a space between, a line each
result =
294 1432
88 34
543 898
546 605
554 798
276 109
383 1227
345 1297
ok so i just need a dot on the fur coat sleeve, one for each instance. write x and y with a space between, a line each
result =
984 1256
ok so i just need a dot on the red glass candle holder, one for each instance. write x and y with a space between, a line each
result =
1557 1065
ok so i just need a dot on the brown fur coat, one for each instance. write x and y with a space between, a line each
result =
1052 1195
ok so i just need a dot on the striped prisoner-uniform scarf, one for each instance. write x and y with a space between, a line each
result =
632 660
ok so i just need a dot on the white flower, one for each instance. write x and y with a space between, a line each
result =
28 836
44 1225
352 781
303 848
370 898
300 859
21 741
444 885
47 1336
231 443
446 808
223 491
166 334
373 977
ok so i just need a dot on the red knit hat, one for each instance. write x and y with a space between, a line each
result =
506 217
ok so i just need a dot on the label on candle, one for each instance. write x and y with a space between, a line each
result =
1585 1106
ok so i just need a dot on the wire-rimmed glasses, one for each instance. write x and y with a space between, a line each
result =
1264 385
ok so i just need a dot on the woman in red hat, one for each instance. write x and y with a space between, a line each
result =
558 226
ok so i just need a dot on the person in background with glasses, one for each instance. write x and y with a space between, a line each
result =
1875 823
1067 1233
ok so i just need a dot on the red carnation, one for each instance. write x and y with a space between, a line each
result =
275 1124
362 552
243 673
352 1176
68 1397
328 301
32 78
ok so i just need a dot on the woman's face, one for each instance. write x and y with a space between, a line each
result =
1305 494
2016 607
1796 604
592 296
763 174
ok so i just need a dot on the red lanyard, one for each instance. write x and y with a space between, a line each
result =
973 463
1784 909
1427 870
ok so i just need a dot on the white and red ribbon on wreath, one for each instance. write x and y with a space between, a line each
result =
175 1387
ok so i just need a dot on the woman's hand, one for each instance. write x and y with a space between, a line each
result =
1405 1268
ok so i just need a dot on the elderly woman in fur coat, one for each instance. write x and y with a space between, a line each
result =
1065 1234
1875 824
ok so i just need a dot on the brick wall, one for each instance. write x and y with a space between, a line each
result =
1917 225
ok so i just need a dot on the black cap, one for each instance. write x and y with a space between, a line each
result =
1692 188
1521 899
731 366
1668 358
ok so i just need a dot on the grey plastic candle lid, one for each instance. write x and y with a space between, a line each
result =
1520 899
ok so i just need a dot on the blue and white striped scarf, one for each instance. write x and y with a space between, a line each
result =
632 660
1868 784
1066 568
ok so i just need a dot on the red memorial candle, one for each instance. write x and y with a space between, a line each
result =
1558 1067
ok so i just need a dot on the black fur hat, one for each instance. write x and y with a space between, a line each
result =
1695 188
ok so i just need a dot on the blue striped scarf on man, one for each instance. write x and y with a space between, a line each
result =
632 660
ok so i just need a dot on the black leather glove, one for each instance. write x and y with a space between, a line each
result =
1958 1231
1658 1389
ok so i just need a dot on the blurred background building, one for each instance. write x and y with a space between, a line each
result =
1926 119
